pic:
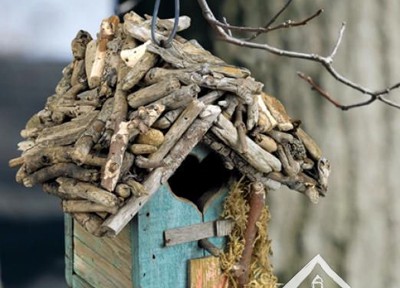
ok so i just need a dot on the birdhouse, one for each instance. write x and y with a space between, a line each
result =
143 145
161 243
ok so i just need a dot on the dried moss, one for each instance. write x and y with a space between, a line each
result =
236 208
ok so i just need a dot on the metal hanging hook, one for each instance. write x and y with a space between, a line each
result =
171 36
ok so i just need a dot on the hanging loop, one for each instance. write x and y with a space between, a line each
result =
164 43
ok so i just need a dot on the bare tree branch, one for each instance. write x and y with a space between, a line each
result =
326 62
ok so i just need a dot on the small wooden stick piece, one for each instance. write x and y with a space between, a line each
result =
256 203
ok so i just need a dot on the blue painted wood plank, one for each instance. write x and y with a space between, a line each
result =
78 282
154 264
212 211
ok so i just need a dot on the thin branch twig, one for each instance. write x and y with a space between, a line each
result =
326 62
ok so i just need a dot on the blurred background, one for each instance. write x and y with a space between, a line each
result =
356 228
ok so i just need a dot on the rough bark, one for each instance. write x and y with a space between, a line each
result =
357 226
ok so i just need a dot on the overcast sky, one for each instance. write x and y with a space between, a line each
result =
44 28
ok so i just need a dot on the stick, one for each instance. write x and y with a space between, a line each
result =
92 134
61 169
154 92
256 203
87 191
107 30
256 156
176 131
73 206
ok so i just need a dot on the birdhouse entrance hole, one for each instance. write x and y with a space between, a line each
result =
199 179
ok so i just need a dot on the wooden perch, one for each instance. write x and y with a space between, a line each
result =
87 191
114 224
256 156
256 203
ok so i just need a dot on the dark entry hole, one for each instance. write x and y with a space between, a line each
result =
198 181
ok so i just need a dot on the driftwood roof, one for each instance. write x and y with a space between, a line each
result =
127 112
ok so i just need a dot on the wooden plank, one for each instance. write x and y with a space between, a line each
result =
163 211
78 282
117 251
96 270
206 273
197 231
69 249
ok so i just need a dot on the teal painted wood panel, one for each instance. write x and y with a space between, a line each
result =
78 282
213 211
69 249
155 265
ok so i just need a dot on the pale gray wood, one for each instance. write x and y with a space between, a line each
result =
256 156
197 231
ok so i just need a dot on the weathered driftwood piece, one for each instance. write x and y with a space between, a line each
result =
52 188
58 170
15 162
168 119
184 55
78 74
290 166
256 203
107 30
152 93
137 72
309 143
123 190
92 134
266 142
176 131
241 129
74 206
142 149
119 143
139 28
66 133
87 191
252 115
278 111
90 222
79 43
65 83
133 55
114 224
180 97
256 156
233 160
